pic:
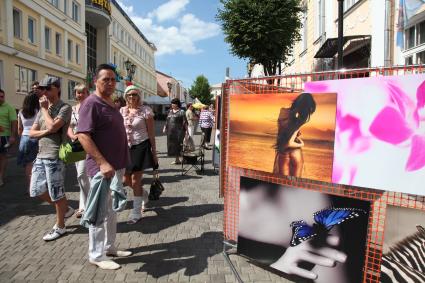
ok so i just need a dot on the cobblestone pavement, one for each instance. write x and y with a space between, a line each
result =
178 240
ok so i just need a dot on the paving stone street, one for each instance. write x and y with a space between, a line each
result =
178 240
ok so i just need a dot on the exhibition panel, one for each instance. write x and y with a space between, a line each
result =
324 172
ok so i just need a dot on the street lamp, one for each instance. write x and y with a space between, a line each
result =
131 69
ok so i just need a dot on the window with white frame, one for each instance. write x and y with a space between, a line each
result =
54 3
420 33
71 86
23 79
17 23
304 32
410 38
420 57
58 42
75 11
114 28
47 38
31 30
65 7
69 50
320 18
349 3
77 53
414 44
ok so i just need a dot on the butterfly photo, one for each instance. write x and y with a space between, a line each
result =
325 220
275 220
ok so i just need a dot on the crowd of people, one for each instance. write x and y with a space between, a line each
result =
45 122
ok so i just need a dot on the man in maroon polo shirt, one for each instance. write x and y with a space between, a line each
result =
102 134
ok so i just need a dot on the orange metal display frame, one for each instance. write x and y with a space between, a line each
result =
230 176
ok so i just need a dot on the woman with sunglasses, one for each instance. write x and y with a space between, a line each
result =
140 129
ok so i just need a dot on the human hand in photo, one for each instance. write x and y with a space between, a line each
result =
107 170
155 157
44 103
1 129
326 255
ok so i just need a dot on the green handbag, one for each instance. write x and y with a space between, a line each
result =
71 152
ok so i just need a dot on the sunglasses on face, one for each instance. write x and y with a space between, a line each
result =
134 94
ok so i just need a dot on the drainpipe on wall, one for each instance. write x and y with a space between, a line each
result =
387 34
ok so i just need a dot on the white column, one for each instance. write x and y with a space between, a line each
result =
378 31
65 42
9 22
42 49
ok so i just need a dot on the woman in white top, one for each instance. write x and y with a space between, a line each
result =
139 125
28 147
81 92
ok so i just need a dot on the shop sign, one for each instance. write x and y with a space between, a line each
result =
104 4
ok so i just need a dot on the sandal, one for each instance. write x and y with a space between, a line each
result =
79 213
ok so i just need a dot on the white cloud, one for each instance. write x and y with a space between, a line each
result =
169 10
175 38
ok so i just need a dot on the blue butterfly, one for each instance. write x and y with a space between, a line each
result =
325 219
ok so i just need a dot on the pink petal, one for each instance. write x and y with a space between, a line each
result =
417 154
420 95
349 123
361 145
337 173
353 173
389 126
399 97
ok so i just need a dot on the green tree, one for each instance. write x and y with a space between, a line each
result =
200 89
262 31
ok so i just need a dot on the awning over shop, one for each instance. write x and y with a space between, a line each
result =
157 100
330 47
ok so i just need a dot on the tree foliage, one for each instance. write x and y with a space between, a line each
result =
262 31
201 89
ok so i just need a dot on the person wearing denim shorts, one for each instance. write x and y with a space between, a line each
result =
48 171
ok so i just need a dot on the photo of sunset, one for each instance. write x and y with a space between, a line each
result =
253 133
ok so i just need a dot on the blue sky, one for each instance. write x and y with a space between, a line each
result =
190 41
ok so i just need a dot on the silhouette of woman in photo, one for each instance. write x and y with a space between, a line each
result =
289 157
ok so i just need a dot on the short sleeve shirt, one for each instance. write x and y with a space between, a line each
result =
105 126
49 145
135 124
7 115
190 117
74 119
206 119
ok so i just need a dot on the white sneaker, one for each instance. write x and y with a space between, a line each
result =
69 212
55 233
106 264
